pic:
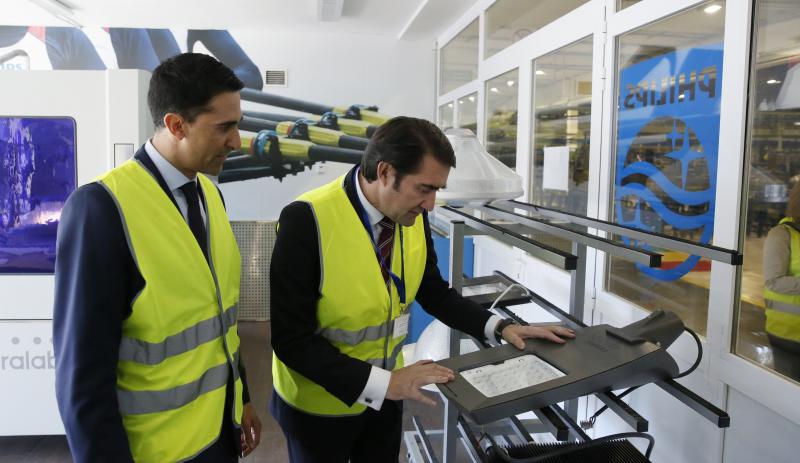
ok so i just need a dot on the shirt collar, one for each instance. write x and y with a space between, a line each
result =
373 213
172 176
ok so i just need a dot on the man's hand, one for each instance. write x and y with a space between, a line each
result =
406 382
251 429
516 334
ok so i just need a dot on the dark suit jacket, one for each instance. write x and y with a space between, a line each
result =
96 280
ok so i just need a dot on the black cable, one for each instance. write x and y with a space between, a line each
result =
588 424
503 453
699 354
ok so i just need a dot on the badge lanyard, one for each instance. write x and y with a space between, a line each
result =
399 281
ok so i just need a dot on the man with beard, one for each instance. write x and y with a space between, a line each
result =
349 259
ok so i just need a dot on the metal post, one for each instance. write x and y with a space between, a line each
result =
576 300
450 437
423 437
578 282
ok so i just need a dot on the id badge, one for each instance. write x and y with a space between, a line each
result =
401 326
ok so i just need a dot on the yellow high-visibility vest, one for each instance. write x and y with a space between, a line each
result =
783 310
181 342
356 312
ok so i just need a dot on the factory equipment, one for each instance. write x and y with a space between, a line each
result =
51 144
494 385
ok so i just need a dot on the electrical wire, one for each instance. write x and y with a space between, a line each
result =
699 354
589 424
500 297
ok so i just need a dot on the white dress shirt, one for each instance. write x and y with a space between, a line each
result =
174 180
377 385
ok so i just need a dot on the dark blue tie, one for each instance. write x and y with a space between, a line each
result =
195 219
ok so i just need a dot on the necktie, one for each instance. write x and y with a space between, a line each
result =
195 219
385 242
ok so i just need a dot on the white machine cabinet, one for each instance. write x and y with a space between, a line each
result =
111 121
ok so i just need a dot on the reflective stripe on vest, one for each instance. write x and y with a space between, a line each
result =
180 344
138 402
356 313
391 360
370 333
152 353
783 310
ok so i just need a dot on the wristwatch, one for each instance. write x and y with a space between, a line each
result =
498 330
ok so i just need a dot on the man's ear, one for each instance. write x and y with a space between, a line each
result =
385 173
176 125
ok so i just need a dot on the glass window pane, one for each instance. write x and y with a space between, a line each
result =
622 4
468 112
446 116
458 59
501 117
769 315
508 21
669 76
562 83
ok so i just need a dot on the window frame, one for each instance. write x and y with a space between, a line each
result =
721 368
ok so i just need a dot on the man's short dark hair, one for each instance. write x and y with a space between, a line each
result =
403 142
184 84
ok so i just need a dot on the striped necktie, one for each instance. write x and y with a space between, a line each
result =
385 242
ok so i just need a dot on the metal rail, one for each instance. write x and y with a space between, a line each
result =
726 256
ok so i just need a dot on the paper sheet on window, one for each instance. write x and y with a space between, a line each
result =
555 175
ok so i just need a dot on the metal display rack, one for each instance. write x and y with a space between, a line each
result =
509 222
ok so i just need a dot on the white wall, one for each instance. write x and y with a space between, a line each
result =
334 69
338 70
757 434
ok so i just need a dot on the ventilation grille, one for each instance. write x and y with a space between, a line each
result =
275 78
256 240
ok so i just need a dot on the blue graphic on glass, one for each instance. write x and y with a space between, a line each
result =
667 147
37 174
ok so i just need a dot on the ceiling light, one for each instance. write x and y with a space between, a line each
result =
797 123
510 83
539 72
773 82
450 105
711 9
471 98
494 89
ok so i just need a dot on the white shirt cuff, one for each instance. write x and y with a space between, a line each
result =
488 330
375 391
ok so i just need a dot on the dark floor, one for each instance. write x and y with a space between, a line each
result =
34 449
255 349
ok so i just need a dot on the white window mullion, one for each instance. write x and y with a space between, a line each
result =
525 125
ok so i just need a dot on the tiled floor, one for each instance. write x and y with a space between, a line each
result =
258 357
34 449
